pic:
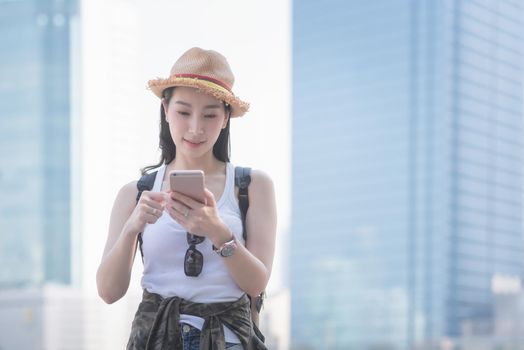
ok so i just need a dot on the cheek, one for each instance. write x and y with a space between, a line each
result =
222 122
217 128
174 122
175 129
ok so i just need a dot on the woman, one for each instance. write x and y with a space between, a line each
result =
210 310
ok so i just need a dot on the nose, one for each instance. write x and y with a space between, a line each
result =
195 125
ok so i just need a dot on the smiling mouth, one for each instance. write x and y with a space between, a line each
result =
193 142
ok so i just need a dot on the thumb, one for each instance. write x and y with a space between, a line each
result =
157 196
210 198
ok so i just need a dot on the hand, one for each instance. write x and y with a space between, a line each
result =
147 211
198 218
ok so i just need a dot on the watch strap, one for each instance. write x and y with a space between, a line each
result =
225 246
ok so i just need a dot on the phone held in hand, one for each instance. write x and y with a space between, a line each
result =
189 183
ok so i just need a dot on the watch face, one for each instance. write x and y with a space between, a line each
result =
228 250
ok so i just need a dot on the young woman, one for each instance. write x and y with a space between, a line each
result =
210 310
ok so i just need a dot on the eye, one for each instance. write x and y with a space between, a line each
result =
210 116
184 114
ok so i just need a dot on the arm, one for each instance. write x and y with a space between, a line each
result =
250 266
126 222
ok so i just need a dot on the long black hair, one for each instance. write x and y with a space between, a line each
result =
221 148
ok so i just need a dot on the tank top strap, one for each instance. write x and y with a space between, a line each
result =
159 178
229 187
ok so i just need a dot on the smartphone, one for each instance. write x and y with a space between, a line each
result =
188 182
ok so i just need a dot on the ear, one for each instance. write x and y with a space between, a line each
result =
164 106
224 124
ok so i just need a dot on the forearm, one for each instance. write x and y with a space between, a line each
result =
247 271
114 272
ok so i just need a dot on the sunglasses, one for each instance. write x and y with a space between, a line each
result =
194 260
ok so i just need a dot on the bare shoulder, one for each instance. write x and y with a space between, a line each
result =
129 189
261 181
122 208
261 217
261 190
126 197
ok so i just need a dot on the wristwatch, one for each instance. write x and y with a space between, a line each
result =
227 249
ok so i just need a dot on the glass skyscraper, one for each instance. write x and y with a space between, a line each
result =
35 40
407 170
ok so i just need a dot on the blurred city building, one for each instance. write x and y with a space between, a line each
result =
35 179
407 174
39 303
48 317
275 319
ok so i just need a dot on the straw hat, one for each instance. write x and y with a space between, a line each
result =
206 70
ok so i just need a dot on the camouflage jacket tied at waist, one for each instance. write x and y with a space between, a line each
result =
157 323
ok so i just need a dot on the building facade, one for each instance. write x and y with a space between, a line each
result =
38 306
407 170
35 142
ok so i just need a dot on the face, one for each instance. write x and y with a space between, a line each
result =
195 120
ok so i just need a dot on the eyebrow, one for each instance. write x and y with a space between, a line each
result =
189 105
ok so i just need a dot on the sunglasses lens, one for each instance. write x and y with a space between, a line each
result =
194 239
193 262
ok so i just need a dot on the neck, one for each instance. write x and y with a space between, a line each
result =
209 165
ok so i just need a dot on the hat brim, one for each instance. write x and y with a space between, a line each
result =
238 107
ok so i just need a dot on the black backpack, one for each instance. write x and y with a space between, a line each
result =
242 181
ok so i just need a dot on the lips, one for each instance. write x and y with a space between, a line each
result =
193 143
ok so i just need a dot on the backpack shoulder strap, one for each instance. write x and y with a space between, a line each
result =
242 181
145 183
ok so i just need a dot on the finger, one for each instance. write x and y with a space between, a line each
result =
158 197
150 207
188 201
155 212
150 219
153 204
176 215
178 205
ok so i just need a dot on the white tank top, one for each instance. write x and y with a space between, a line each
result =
165 244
